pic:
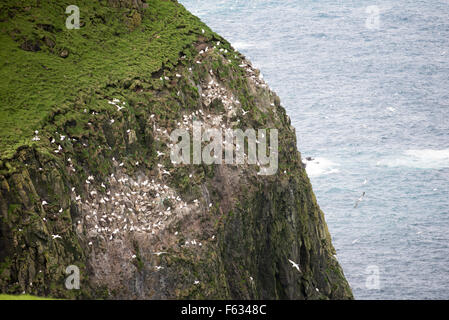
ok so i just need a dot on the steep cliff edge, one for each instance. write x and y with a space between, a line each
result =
85 173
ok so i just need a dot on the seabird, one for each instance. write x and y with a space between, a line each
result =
360 199
294 265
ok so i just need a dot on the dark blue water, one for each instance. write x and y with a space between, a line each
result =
370 102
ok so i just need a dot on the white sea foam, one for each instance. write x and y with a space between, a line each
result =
321 166
243 45
240 45
423 159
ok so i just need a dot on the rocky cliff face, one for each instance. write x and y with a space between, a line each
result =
94 186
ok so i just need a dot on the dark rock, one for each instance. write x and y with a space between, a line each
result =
46 27
31 45
64 53
49 42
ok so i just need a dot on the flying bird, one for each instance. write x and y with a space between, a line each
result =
294 265
359 200
159 253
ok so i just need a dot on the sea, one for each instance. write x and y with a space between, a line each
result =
366 85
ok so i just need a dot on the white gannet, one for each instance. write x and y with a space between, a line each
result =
294 265
359 199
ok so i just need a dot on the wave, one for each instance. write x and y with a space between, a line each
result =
321 166
419 158
242 45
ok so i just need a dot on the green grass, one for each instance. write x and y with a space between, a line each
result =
22 297
106 51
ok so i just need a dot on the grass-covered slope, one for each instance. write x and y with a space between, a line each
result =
97 188
114 45
21 297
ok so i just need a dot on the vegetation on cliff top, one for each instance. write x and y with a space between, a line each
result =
37 82
22 297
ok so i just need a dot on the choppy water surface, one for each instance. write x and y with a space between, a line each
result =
370 102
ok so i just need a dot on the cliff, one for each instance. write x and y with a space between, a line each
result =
86 177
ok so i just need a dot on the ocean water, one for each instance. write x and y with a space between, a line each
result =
367 89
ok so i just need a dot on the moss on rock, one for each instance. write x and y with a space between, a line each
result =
145 55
